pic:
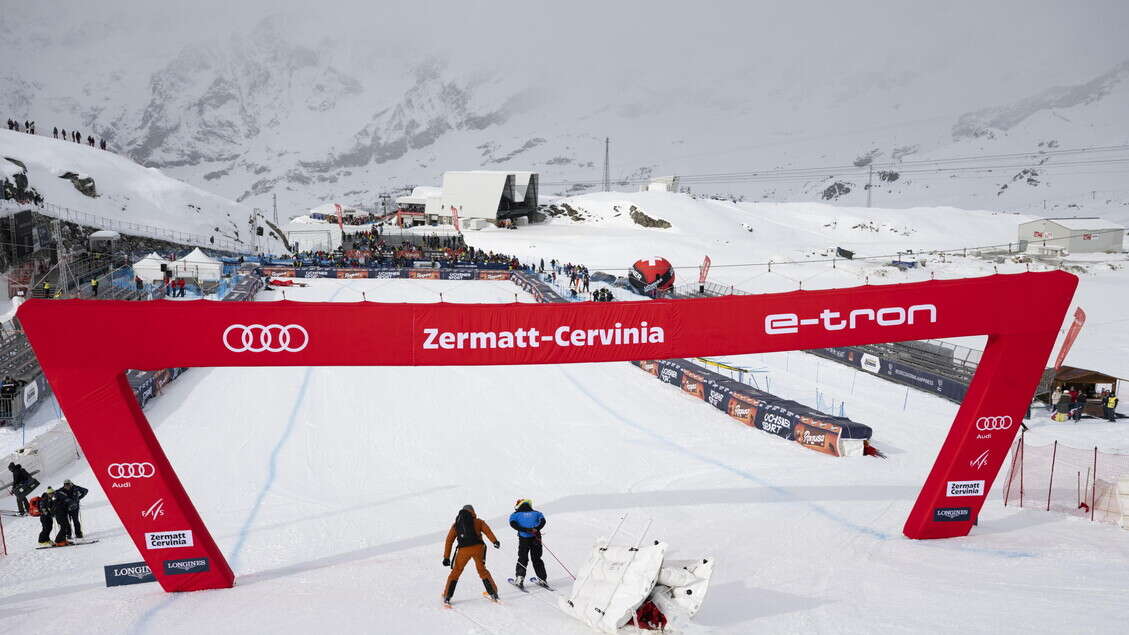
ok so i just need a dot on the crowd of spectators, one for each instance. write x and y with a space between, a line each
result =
58 133
578 277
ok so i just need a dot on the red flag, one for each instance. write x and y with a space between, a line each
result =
340 217
455 218
704 270
1079 320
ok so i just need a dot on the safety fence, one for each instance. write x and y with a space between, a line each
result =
1086 483
133 229
879 361
837 436
416 273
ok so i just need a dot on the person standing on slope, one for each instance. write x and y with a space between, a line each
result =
22 482
44 505
528 523
468 528
60 509
74 494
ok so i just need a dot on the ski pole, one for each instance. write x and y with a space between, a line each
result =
557 559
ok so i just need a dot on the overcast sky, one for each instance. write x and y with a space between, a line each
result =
576 41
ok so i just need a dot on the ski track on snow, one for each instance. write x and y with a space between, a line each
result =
784 493
272 472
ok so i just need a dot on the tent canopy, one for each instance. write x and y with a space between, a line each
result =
199 257
1071 375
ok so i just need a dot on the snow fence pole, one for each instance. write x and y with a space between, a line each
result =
1094 486
1051 484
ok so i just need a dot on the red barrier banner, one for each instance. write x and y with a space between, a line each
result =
493 275
423 274
693 383
1071 335
89 379
818 436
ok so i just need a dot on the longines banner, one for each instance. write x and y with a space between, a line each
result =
89 376
896 371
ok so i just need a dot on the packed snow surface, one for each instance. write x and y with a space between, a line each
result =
330 490
127 193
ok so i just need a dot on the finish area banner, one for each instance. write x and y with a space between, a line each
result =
104 339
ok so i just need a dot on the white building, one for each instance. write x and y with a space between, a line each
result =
485 195
424 203
660 184
1074 235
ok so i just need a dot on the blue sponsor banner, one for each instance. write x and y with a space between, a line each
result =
128 573
896 371
186 565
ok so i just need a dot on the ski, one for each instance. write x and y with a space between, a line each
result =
71 544
519 587
8 512
541 583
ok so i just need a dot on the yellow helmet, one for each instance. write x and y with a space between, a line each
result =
520 501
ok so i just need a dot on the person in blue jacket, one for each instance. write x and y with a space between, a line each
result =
528 523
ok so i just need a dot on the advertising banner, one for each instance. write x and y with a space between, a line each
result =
134 471
493 275
818 436
352 274
694 383
424 274
754 408
279 272
459 274
743 408
1071 335
128 573
896 371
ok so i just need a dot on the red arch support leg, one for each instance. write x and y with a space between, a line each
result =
980 437
86 370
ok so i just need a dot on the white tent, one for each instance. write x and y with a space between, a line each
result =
149 267
199 265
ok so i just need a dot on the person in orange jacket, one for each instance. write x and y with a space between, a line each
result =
468 529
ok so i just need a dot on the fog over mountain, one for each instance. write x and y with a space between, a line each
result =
342 101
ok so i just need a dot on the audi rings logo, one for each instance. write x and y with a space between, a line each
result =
272 338
131 470
988 424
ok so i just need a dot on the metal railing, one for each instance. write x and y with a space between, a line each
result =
133 229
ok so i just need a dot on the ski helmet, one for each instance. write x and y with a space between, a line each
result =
519 502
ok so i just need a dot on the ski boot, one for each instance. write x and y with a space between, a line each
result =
490 590
519 582
449 593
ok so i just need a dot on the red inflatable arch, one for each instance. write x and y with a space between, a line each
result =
86 346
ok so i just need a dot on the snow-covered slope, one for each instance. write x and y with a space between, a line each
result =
743 238
138 200
330 491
